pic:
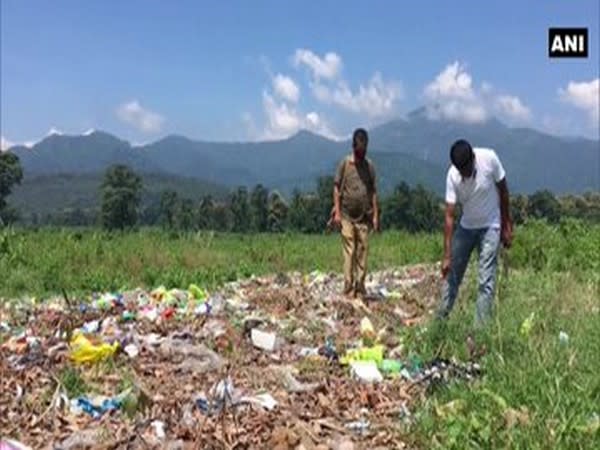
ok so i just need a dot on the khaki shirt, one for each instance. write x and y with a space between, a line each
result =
357 185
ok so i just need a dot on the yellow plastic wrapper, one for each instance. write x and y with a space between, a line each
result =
367 331
84 351
196 292
374 354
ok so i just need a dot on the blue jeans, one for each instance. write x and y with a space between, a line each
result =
487 241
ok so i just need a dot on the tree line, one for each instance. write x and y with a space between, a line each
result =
260 210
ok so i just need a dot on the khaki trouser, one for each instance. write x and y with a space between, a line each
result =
355 239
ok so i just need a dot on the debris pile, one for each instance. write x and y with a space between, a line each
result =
281 362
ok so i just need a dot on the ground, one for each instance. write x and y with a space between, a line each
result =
538 386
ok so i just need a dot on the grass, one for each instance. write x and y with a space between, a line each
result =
535 392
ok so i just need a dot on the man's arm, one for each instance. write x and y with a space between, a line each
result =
448 229
375 212
506 221
336 201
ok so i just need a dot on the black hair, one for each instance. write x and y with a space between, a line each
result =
461 153
360 134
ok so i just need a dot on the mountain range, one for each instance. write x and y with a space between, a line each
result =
414 150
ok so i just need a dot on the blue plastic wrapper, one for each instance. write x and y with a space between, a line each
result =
96 411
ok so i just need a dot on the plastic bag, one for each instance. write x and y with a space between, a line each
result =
374 354
197 293
83 350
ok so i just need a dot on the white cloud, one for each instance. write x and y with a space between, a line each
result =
88 132
286 88
5 144
284 120
141 118
328 67
376 98
585 96
451 96
512 108
452 82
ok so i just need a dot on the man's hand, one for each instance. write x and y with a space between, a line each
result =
337 218
446 262
376 223
507 234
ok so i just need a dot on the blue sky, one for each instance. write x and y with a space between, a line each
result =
239 70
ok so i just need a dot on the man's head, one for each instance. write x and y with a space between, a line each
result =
462 157
360 139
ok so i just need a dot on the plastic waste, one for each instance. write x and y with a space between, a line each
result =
197 293
329 350
150 313
391 366
307 352
263 340
374 354
202 309
360 426
220 396
91 327
527 325
563 338
167 313
128 316
265 400
10 444
159 429
97 406
366 371
367 331
83 350
131 350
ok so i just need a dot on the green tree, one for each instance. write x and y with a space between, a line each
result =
184 217
395 207
240 210
518 207
278 212
11 173
325 195
259 208
169 203
297 211
121 191
205 216
222 217
543 204
424 210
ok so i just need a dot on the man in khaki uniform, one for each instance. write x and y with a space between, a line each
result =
356 211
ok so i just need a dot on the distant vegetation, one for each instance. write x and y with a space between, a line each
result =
127 203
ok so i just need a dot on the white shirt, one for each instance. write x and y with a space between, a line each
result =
478 194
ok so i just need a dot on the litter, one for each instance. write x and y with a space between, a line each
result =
84 351
131 350
9 444
374 354
563 338
262 340
527 325
366 371
159 429
264 400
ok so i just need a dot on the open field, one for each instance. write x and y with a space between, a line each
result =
535 392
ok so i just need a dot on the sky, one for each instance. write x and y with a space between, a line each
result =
241 70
